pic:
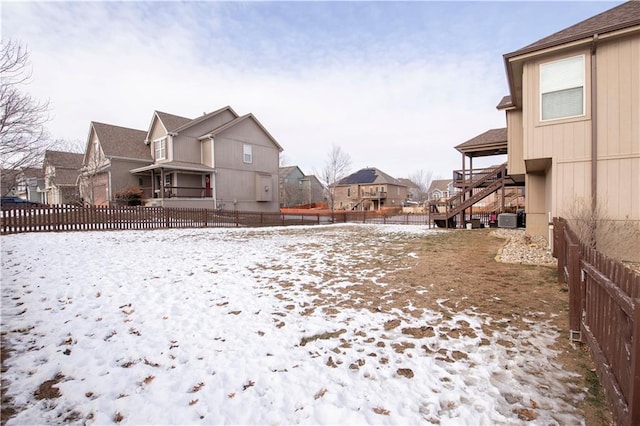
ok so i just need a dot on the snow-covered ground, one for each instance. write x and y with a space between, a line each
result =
239 326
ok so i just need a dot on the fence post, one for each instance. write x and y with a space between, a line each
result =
167 222
634 394
575 292
558 230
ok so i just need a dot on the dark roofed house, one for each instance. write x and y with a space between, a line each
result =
369 189
26 183
110 152
61 172
297 189
219 160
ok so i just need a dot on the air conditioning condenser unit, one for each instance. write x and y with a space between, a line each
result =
507 220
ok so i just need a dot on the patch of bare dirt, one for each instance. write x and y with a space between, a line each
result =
461 270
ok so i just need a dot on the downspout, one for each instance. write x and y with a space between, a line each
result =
594 125
213 174
109 189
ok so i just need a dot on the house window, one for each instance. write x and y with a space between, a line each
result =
247 154
161 148
348 192
562 88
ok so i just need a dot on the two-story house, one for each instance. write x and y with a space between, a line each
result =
61 172
218 160
111 151
297 189
440 189
573 118
369 189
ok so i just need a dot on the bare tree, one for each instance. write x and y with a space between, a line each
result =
91 175
336 167
66 145
422 179
23 136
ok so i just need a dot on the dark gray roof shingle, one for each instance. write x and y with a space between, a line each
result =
119 141
172 122
369 175
62 159
622 16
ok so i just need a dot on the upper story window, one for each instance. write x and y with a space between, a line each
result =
160 146
562 88
247 154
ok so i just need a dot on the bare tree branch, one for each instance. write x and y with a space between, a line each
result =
23 135
422 179
336 167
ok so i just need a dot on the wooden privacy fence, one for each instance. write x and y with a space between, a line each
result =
70 218
604 313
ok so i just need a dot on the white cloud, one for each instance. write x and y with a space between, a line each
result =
390 107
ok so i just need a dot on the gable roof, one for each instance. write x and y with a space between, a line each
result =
439 185
285 171
239 120
63 160
491 142
171 122
205 117
620 17
408 183
117 141
32 172
626 15
369 175
175 123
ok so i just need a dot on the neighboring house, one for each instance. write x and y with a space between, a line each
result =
414 194
317 191
440 190
218 160
110 153
61 172
369 189
298 189
573 118
29 184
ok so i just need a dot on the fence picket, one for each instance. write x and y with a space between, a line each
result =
609 319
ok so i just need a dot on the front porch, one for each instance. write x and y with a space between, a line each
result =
179 184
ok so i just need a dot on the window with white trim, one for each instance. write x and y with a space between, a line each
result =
247 154
562 88
160 146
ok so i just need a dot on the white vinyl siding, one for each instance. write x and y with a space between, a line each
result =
562 88
247 154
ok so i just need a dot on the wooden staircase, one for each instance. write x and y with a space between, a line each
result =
480 186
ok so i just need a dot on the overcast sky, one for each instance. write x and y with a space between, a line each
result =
395 84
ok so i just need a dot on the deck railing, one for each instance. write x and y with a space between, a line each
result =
604 313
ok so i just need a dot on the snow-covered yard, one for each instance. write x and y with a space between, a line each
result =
248 326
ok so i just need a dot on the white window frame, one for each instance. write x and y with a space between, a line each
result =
247 154
160 148
570 82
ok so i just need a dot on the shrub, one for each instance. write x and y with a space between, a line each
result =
131 196
617 239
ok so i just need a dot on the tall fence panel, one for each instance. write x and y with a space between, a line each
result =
604 313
